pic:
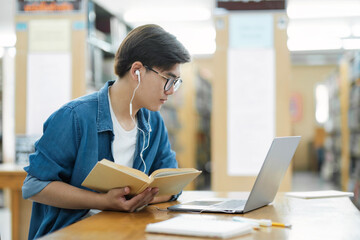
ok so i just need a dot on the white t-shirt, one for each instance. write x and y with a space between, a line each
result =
123 146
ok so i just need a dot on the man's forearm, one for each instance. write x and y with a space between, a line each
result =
63 195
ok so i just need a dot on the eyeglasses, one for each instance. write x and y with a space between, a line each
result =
169 81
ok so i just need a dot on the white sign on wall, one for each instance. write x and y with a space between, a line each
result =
251 97
49 35
249 30
48 87
49 71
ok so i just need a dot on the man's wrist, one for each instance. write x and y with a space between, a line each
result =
101 201
161 199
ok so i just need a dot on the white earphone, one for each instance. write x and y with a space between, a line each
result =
137 72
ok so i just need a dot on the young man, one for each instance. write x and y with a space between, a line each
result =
121 123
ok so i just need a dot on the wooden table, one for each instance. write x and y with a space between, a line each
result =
331 218
12 177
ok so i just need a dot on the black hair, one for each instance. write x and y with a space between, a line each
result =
152 46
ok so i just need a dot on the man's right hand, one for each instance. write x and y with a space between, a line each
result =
116 199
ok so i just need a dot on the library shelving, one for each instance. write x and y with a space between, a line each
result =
104 35
1 103
354 126
331 166
342 146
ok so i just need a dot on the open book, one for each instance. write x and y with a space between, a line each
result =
107 175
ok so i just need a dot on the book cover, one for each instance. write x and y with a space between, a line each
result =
107 175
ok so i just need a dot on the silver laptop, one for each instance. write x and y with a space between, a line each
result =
265 187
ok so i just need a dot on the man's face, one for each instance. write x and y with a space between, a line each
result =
152 94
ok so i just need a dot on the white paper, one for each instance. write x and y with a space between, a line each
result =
251 109
49 35
319 194
251 30
48 87
201 226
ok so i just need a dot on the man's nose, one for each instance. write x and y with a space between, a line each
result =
170 91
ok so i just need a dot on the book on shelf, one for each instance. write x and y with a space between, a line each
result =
107 175
200 226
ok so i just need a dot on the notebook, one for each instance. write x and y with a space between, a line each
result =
319 194
266 185
200 226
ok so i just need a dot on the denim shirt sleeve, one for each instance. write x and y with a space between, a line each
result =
32 186
56 150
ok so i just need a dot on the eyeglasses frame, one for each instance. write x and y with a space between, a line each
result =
174 81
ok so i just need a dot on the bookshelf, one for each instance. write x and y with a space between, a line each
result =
331 166
94 38
170 115
203 105
104 35
354 126
1 112
342 145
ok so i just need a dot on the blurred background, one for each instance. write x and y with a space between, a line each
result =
260 69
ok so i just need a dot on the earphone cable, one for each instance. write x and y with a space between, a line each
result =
143 149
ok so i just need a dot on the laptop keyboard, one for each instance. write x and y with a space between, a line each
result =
231 204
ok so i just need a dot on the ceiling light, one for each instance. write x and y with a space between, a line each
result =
323 9
318 30
7 40
199 40
351 43
356 30
311 44
168 14
12 52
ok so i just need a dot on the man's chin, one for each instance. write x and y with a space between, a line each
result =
155 109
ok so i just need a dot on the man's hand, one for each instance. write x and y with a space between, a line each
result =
160 199
63 195
116 199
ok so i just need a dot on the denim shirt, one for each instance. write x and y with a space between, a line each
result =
74 139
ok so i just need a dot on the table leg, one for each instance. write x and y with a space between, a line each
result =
15 213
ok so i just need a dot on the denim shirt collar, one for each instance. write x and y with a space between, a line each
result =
104 122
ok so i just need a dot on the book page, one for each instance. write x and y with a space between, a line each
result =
171 171
131 171
173 184
103 177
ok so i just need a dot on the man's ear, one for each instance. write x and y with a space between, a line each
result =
135 70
